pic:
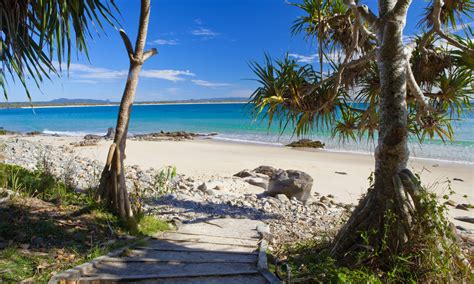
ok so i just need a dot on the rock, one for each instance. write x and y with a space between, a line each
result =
263 229
214 184
306 143
283 198
341 173
244 174
330 196
92 137
324 199
450 203
292 183
84 143
466 219
260 182
266 170
110 133
462 207
458 179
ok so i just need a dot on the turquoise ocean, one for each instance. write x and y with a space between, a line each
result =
232 122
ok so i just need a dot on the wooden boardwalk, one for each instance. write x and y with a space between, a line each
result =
216 251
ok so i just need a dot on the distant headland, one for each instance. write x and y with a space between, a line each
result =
62 102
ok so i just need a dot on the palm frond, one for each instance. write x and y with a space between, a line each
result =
36 32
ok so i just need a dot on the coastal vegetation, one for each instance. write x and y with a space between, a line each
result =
408 89
47 226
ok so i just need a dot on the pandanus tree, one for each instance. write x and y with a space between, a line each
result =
112 188
376 84
35 34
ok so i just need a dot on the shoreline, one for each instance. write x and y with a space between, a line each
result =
260 143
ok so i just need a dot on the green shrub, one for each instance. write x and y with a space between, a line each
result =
432 255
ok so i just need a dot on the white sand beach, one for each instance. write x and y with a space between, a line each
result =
206 158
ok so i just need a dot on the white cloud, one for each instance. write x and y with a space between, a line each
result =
304 58
82 71
210 84
165 42
314 58
205 33
198 21
170 75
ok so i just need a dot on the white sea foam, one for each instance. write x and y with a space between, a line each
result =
69 133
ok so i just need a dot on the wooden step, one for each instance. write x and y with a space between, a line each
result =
177 236
137 270
194 246
182 256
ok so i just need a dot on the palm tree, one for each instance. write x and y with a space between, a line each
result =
415 89
112 188
36 32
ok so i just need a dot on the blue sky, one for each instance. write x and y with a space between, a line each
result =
204 48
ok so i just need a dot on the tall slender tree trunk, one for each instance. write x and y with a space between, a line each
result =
112 188
384 213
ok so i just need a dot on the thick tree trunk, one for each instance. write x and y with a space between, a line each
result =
384 213
113 189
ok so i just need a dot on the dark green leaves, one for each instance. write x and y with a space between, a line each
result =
35 32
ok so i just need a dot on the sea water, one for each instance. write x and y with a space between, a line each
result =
232 122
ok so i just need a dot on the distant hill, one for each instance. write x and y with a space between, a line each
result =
77 101
91 102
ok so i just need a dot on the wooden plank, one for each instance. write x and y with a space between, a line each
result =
193 246
224 227
136 270
238 279
186 232
172 236
156 278
182 256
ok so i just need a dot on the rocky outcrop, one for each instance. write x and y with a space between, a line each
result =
169 136
307 143
291 183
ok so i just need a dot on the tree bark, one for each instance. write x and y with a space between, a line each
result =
384 213
112 188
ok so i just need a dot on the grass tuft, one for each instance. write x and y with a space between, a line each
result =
150 225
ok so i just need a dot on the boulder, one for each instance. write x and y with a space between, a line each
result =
306 143
244 174
291 183
110 133
260 182
267 170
